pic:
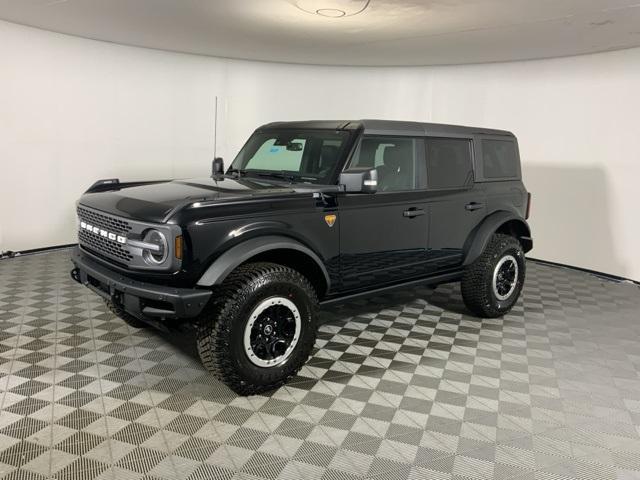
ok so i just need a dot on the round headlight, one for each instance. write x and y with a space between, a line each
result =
158 255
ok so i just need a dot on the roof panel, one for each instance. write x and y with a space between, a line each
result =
387 127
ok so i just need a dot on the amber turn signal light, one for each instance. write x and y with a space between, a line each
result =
178 247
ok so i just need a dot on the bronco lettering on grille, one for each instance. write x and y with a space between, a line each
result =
103 233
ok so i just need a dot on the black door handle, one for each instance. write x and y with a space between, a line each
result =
473 206
413 212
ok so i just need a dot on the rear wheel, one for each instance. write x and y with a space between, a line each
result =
492 284
262 329
118 311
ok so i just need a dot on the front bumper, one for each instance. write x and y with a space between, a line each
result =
140 299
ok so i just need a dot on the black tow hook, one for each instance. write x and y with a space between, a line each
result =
75 274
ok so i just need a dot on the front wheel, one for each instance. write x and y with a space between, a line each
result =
492 284
262 329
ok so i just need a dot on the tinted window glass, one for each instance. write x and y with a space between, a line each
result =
499 159
305 155
270 156
449 162
393 157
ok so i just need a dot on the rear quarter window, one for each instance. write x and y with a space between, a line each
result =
499 159
449 163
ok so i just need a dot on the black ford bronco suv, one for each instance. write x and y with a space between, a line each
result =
308 213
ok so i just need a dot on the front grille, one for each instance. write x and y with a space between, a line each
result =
106 222
101 245
104 257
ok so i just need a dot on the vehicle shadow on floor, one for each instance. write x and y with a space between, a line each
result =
444 297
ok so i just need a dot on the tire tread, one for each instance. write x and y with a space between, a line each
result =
214 327
477 278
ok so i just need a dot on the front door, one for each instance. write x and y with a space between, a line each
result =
384 235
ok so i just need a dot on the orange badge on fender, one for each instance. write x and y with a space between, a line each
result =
330 219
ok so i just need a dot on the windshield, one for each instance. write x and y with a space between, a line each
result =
297 155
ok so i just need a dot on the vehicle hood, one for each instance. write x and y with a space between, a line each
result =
156 202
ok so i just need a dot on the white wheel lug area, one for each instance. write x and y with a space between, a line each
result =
268 337
509 264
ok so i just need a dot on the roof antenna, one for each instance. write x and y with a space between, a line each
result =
217 166
215 128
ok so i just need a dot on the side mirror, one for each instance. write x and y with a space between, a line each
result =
359 180
217 167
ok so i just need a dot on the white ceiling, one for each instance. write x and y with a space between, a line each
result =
386 32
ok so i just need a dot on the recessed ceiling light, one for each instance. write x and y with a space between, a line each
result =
332 8
331 12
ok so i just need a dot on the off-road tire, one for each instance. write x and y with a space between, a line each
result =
118 311
477 280
220 331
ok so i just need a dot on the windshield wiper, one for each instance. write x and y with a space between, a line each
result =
237 171
282 174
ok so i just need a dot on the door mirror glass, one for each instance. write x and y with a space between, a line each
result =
359 180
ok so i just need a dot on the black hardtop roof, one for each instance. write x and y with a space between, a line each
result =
386 127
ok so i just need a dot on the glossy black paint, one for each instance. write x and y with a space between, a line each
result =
378 244
158 202
377 240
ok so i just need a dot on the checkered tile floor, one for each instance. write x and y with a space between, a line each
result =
402 386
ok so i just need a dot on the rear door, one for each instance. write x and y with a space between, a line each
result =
499 172
456 202
384 236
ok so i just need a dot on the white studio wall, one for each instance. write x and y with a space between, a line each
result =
74 110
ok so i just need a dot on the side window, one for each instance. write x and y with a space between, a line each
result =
278 157
328 158
393 157
499 159
449 163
